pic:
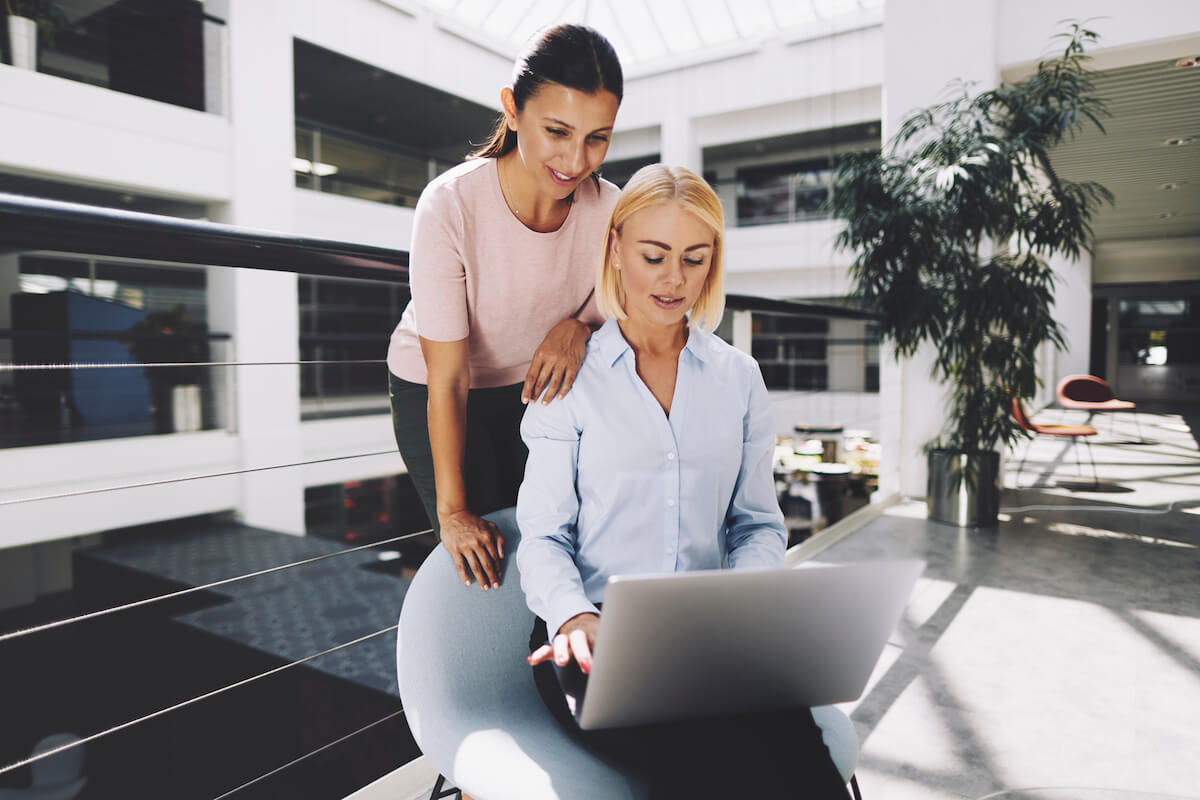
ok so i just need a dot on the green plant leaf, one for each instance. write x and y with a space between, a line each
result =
953 224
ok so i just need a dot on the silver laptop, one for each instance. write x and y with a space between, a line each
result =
720 642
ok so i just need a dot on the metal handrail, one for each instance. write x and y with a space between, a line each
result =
28 223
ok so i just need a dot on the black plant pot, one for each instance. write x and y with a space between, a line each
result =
963 488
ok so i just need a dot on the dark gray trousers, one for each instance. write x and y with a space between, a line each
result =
494 462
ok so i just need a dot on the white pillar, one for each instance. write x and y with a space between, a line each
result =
10 284
927 43
1112 347
216 58
727 191
678 142
847 362
743 331
1073 310
258 307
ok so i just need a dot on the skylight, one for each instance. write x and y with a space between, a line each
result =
650 31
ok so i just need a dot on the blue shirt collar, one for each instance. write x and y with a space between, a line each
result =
610 343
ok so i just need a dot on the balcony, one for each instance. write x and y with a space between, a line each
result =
171 51
198 654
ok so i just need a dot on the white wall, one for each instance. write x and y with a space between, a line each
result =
1073 310
77 468
1130 33
783 87
798 256
168 463
777 74
350 219
1142 260
70 131
416 45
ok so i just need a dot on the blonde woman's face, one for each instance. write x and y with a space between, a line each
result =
663 254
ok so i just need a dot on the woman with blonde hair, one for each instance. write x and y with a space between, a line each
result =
659 460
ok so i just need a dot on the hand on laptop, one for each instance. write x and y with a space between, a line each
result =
575 639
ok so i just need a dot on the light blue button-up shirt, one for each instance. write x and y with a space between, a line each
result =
615 486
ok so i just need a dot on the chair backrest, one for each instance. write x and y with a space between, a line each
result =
445 626
60 768
469 695
1018 412
1085 389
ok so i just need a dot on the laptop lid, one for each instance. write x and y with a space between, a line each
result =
717 642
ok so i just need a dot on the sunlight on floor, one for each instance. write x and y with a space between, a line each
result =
1059 648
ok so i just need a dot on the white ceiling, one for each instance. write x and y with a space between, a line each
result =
647 31
1150 104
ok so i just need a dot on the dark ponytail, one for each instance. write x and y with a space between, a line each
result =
575 56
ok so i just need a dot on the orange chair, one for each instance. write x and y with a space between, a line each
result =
1092 394
1072 432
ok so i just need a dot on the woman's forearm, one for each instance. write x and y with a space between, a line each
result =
447 441
448 379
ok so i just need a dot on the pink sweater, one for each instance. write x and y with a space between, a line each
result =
477 272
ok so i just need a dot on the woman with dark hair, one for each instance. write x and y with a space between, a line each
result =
501 268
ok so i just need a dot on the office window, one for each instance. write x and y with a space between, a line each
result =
791 351
345 325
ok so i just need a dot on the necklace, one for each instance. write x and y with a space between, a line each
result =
528 221
507 192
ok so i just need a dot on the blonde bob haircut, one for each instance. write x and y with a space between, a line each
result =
650 186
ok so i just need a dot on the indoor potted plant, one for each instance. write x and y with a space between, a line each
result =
31 21
953 223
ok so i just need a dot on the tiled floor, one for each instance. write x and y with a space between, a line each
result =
291 614
1061 648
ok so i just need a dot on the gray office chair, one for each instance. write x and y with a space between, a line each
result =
56 777
472 705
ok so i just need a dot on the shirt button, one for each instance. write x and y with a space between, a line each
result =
671 502
670 456
670 549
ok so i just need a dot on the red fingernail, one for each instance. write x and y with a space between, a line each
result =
586 667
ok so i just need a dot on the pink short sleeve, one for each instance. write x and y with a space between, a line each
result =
437 275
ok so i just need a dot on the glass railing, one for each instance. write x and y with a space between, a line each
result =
167 50
337 161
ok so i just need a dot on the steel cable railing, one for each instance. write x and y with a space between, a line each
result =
310 754
165 481
205 587
80 229
153 364
177 706
29 224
